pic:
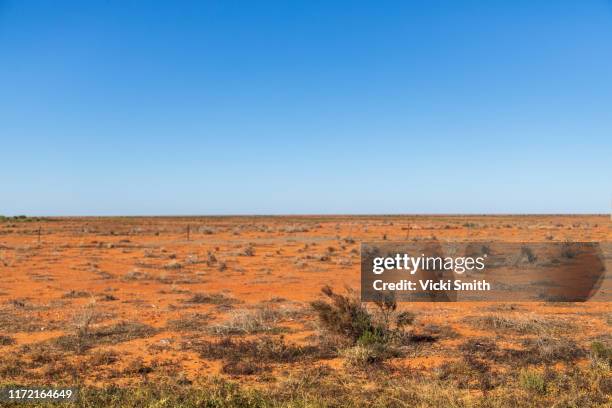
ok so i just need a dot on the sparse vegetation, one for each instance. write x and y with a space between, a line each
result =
318 387
243 318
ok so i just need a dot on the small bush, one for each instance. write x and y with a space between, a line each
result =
344 315
601 355
6 340
373 337
249 357
550 349
364 355
532 381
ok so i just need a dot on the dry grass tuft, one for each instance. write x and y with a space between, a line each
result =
521 324
86 337
6 340
212 298
191 322
260 320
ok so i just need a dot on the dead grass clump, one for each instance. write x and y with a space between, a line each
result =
322 258
295 228
365 354
122 332
86 337
137 366
522 324
74 294
479 346
192 322
549 349
330 345
248 251
542 350
21 304
11 366
6 340
467 373
36 355
503 307
212 298
260 320
433 332
15 321
173 265
244 367
570 250
104 275
102 358
108 298
61 370
136 275
527 255
265 349
206 230
149 253
211 259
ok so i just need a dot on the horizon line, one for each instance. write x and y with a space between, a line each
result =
495 214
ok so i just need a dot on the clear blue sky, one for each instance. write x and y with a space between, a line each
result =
259 107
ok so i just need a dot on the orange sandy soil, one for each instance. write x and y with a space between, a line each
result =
144 269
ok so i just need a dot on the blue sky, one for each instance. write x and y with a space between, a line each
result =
230 107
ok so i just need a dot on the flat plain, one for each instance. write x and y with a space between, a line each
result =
231 310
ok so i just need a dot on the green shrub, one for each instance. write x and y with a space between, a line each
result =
371 337
601 355
344 315
532 381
